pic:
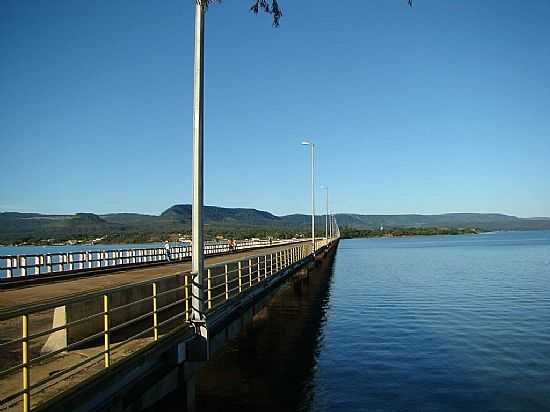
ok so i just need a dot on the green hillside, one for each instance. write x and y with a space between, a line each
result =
231 222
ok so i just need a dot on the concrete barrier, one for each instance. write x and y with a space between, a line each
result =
82 329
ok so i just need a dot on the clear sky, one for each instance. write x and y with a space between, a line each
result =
444 107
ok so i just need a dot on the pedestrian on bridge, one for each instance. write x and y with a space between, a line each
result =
167 249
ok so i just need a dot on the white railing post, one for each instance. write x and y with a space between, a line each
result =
9 272
23 266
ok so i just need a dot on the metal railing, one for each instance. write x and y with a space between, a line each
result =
147 307
105 326
59 262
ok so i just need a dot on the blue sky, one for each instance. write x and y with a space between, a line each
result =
441 108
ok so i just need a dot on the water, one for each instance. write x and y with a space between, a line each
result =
457 323
444 323
39 250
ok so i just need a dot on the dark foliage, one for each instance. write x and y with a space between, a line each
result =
350 233
268 6
272 9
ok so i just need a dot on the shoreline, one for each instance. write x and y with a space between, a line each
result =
408 232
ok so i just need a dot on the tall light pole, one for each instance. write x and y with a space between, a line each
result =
326 216
312 146
197 260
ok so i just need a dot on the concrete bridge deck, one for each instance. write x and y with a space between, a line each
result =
55 338
40 290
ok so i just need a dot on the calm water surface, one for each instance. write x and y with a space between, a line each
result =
39 250
445 323
458 323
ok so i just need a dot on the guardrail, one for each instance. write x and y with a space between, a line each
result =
106 326
59 262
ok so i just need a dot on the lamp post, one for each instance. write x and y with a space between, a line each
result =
197 260
312 146
326 216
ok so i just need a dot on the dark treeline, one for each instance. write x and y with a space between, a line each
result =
153 236
350 233
237 223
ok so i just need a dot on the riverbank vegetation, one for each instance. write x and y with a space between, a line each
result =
350 233
236 223
152 237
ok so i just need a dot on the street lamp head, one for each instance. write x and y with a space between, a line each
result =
305 142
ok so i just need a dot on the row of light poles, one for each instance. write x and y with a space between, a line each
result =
328 228
312 146
198 316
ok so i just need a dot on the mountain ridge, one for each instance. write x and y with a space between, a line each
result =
16 227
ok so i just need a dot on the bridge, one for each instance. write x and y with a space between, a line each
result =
118 330
114 329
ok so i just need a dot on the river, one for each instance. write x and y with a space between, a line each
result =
443 323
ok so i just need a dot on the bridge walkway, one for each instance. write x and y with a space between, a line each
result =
63 352
34 292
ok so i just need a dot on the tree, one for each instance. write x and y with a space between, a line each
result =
268 6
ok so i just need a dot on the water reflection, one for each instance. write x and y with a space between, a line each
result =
272 365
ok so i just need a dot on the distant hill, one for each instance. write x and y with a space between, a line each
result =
17 227
484 221
221 215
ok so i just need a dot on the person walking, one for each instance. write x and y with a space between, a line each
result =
167 249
